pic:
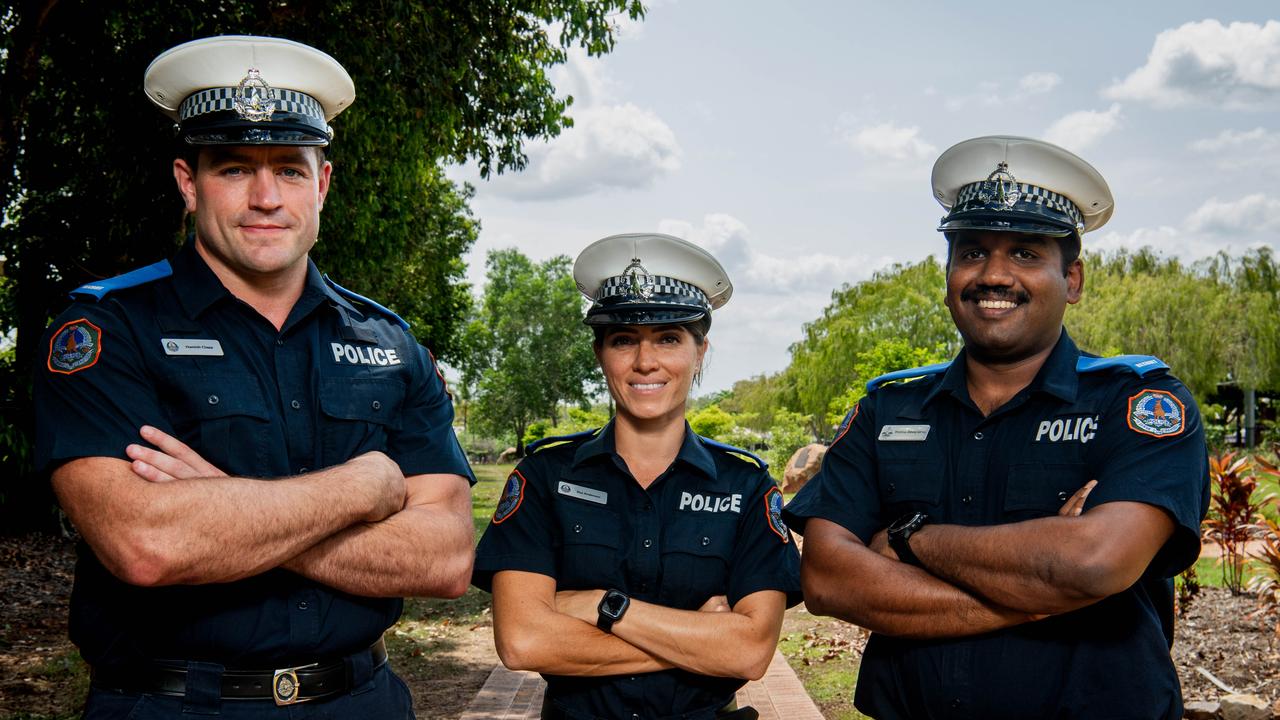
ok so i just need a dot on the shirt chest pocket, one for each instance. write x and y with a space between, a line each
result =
696 554
909 484
224 418
1040 489
357 416
590 546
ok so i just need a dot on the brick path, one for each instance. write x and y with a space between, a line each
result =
509 695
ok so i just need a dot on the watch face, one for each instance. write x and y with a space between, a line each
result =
907 521
614 604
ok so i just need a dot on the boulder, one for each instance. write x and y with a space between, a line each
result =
1244 707
507 456
804 464
1200 710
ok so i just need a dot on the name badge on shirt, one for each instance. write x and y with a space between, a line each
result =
191 346
582 493
904 433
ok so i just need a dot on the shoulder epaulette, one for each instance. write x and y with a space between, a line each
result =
362 299
1138 364
907 374
735 451
143 275
556 440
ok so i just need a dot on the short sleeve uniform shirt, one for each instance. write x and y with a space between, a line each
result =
924 445
179 352
710 525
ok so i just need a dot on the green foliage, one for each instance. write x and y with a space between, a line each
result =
532 351
536 431
885 356
903 302
789 432
712 422
754 401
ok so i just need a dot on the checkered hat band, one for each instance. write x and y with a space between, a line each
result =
1030 193
222 99
621 285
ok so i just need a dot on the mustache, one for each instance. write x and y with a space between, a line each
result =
990 293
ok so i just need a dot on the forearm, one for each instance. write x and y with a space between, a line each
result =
204 530
738 644
531 634
845 579
1045 566
423 550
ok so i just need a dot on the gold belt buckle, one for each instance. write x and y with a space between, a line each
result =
284 685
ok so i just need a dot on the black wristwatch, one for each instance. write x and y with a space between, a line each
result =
612 607
901 531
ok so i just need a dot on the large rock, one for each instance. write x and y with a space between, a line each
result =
804 464
1244 707
1200 710
507 456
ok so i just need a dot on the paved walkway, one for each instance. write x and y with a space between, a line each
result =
509 695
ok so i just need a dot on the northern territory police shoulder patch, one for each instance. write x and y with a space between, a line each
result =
74 347
1156 413
773 513
512 496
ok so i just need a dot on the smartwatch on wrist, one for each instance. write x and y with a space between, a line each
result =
901 531
612 607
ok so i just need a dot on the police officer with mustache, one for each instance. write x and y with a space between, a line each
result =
1009 524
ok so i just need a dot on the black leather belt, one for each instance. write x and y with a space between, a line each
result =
286 686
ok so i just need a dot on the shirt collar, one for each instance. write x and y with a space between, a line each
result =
692 451
198 287
1057 376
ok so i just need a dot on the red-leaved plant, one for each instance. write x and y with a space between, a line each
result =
1234 511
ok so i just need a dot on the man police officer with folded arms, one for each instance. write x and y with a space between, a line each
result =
956 515
260 462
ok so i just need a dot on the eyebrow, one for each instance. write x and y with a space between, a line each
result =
222 156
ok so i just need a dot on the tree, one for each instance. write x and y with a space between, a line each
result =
86 189
884 357
536 353
903 302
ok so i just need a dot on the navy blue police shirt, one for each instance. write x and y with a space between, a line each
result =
179 352
924 445
710 525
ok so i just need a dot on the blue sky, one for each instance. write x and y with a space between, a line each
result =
796 142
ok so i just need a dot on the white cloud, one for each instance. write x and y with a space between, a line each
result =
729 240
1208 63
1039 82
1251 214
889 141
1230 139
612 145
1082 129
1233 226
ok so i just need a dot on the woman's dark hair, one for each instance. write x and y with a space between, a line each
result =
698 329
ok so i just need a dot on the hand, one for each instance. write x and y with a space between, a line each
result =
387 483
174 460
581 604
880 544
716 603
1075 504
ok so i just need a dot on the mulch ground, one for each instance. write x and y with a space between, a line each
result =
41 676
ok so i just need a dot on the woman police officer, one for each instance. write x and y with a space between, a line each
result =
641 568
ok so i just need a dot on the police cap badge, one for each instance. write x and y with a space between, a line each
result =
248 90
649 279
1017 184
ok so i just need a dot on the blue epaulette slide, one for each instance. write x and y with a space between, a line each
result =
1140 365
133 278
552 441
362 299
744 454
908 374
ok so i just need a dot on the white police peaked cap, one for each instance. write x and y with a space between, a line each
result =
649 279
249 90
1018 184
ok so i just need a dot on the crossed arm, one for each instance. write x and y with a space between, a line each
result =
981 579
537 628
169 517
